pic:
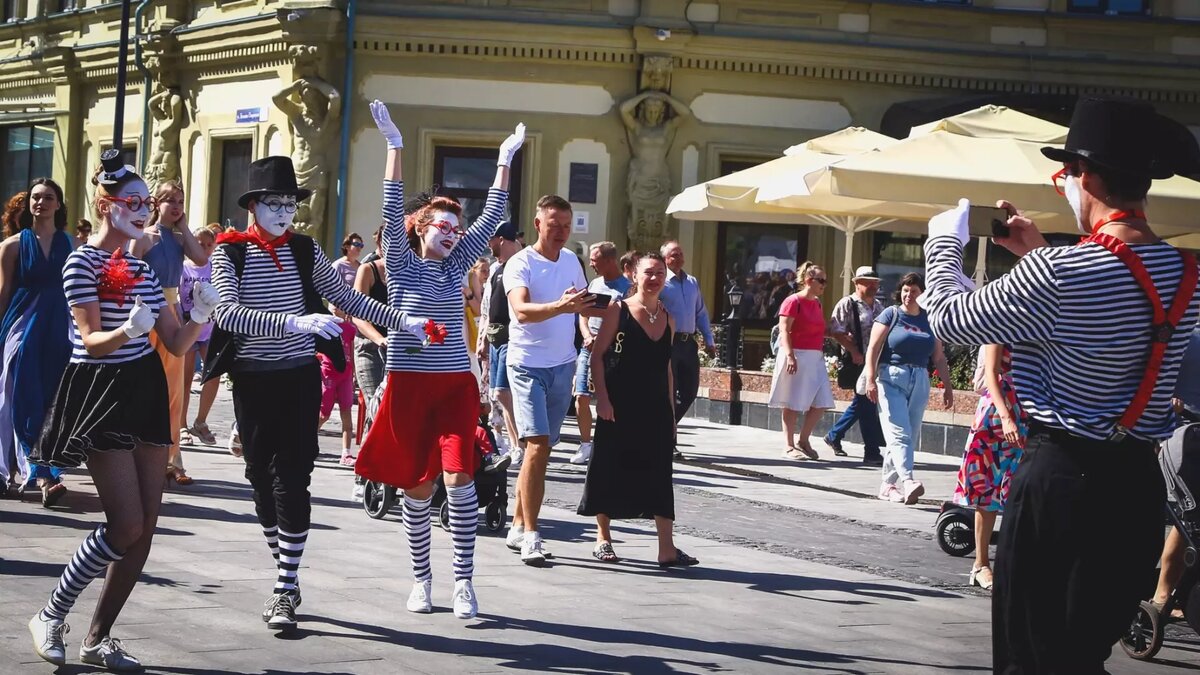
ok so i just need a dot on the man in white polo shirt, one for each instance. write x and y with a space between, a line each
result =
546 289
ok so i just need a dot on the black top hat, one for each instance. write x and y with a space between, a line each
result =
113 168
271 176
1123 135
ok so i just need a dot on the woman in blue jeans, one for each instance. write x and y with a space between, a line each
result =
897 378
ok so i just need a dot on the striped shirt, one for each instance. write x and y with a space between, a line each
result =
432 288
255 308
1079 326
81 274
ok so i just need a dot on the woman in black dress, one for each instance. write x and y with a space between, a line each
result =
629 475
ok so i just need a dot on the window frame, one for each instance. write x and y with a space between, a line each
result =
442 151
30 172
1102 9
219 161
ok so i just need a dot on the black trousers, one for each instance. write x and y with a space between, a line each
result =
1081 535
277 413
685 367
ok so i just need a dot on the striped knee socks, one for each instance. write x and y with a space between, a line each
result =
291 549
272 535
92 557
464 522
417 527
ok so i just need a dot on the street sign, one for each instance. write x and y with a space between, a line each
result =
250 115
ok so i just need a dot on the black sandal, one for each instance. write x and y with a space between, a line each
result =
604 553
681 560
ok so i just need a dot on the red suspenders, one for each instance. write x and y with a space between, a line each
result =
1164 322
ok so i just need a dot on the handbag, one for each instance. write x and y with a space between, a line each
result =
849 371
860 387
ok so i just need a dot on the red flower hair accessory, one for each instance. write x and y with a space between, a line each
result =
116 280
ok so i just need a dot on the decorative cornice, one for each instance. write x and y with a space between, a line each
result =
499 50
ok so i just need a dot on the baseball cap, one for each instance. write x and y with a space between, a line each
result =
508 231
866 272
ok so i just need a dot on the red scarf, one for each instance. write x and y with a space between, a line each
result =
252 236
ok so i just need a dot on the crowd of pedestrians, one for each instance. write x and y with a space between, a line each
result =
103 333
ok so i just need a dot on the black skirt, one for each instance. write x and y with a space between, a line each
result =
105 407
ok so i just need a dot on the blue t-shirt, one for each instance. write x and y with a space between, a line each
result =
910 342
617 288
1187 387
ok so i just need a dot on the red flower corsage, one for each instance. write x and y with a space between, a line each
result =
116 280
435 334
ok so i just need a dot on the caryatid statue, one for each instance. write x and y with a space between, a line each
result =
170 116
651 120
313 108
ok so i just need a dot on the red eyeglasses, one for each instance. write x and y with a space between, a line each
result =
135 202
447 227
1061 177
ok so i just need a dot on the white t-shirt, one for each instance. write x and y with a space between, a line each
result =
551 342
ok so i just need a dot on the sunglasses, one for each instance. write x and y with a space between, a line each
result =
447 227
819 280
357 244
135 203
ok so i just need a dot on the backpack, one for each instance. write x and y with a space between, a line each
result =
221 348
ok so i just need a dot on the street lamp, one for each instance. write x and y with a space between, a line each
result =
733 337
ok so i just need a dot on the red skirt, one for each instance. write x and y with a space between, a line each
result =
425 425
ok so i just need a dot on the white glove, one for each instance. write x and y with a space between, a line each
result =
383 120
140 321
204 299
316 324
510 146
952 222
415 325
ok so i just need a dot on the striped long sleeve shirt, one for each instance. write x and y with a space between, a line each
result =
1079 326
255 307
432 288
81 274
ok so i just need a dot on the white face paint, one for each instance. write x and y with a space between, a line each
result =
271 213
438 241
126 220
1074 194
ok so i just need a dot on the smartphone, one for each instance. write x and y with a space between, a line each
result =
988 221
602 301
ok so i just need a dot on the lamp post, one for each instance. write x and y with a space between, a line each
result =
733 335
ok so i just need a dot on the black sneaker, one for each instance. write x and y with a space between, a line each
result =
872 461
834 445
282 610
267 607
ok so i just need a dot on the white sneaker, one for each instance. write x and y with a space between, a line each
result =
516 536
109 653
360 491
518 455
532 551
48 638
465 604
419 599
913 491
583 455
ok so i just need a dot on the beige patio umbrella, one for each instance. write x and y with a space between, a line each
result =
738 196
988 154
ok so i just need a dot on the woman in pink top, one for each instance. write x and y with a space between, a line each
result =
801 381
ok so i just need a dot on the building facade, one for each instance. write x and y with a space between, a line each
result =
626 101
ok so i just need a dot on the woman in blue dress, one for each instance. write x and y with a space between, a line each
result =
35 331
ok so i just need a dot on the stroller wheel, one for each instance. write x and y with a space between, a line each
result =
378 499
1144 637
956 533
444 515
495 516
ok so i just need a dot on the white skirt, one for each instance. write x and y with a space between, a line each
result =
806 388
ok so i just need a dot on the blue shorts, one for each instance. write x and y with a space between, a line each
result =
583 373
541 397
498 366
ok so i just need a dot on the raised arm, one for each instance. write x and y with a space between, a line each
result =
629 110
484 227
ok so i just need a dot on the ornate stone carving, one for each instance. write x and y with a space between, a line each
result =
651 120
169 115
313 108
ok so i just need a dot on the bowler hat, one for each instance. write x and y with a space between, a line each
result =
1122 135
271 176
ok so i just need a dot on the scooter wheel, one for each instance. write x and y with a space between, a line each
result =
956 534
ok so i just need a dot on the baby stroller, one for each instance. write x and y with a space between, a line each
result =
956 529
491 487
1179 457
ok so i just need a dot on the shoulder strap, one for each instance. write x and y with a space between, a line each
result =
858 336
1163 327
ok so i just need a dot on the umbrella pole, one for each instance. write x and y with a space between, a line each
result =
848 260
981 262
